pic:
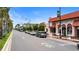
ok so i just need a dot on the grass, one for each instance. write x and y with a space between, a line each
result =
3 40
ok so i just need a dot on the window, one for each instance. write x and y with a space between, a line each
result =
59 30
69 29
53 30
64 30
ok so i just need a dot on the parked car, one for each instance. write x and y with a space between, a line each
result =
78 45
33 33
26 31
21 30
42 34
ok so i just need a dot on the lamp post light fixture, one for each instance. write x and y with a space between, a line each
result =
59 18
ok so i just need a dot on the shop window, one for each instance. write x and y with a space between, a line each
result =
53 30
69 29
64 30
59 30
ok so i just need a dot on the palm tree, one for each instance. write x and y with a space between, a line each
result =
10 25
4 20
1 18
17 26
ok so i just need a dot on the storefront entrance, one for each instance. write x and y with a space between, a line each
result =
63 30
77 32
76 25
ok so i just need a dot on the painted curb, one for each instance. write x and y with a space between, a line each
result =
7 45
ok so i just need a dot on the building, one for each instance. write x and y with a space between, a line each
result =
69 26
47 29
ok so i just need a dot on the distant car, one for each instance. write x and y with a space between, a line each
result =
26 31
33 33
42 34
21 30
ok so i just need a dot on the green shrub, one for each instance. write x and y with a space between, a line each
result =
3 40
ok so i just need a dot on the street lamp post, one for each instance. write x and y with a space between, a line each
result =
59 18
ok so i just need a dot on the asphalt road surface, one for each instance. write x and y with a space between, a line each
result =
25 42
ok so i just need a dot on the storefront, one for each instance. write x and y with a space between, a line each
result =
69 26
76 26
52 28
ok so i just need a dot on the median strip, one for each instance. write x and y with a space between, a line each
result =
5 42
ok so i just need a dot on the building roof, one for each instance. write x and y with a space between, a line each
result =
66 16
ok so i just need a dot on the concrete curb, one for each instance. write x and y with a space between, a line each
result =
65 41
7 45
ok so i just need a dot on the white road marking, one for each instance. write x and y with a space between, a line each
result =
47 45
64 44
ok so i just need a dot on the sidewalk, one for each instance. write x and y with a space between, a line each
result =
62 40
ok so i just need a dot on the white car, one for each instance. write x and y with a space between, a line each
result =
33 33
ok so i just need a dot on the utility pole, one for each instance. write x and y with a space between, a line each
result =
59 18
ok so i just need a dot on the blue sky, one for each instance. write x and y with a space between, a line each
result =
36 14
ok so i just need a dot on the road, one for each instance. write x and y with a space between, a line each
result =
25 42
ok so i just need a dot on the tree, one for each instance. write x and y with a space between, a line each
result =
42 26
10 25
0 29
4 17
17 26
35 27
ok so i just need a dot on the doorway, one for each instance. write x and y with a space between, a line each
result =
78 32
64 30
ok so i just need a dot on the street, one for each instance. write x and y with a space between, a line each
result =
24 42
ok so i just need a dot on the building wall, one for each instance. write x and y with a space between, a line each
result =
48 32
66 22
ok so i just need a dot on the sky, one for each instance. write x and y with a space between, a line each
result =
21 15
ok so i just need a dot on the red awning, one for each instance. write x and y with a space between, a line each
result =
76 23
